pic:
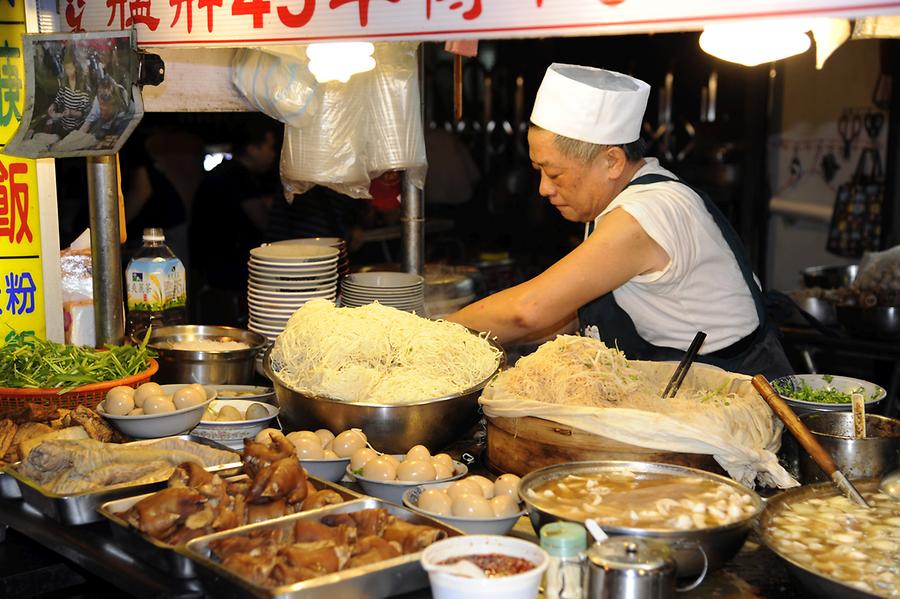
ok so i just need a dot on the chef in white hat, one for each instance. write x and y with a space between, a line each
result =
659 262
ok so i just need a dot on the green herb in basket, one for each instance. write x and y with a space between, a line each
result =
28 362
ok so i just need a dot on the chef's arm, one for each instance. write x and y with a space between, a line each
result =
618 250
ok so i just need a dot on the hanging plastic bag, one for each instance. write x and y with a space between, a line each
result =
279 85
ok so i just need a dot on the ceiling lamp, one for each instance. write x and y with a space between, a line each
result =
340 60
752 43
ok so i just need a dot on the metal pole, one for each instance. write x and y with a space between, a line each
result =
413 201
106 253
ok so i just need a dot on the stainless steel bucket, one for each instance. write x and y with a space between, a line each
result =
872 457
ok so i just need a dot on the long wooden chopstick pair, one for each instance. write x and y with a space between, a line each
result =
683 366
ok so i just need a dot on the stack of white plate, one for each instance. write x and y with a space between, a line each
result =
343 265
396 289
283 278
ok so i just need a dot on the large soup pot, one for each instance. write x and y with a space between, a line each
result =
718 544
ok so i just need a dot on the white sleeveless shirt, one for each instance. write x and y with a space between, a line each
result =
701 288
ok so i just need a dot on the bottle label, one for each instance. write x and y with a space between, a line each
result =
156 285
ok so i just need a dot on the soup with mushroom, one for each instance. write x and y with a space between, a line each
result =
622 498
844 541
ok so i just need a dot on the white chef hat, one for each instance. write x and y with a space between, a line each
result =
592 105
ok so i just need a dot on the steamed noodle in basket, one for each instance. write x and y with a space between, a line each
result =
582 383
377 354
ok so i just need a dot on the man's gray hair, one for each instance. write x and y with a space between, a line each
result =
585 151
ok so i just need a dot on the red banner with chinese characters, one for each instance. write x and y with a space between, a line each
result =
266 22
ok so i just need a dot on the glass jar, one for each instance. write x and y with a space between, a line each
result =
566 575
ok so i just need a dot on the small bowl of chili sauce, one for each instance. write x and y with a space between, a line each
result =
513 567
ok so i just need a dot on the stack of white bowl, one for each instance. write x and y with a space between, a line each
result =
343 264
283 278
396 289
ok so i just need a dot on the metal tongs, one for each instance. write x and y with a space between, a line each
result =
818 453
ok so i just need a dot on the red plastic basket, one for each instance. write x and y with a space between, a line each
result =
86 395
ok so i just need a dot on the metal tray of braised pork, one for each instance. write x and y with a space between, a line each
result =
164 556
387 578
81 508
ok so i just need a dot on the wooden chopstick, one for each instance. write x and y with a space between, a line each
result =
683 366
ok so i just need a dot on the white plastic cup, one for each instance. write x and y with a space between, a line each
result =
450 586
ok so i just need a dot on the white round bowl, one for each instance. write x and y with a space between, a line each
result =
332 470
873 394
450 586
470 526
294 253
232 433
329 241
153 426
384 279
393 490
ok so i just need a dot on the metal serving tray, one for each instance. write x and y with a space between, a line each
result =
162 555
81 508
9 488
391 577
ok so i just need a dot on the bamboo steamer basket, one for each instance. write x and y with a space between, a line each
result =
521 445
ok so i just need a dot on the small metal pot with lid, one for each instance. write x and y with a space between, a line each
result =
634 568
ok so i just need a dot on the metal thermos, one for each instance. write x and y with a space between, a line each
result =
631 568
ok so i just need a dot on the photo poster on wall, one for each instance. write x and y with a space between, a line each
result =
81 95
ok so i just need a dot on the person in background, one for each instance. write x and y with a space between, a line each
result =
659 261
229 216
73 99
108 114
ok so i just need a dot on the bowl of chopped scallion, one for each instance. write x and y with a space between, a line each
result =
807 393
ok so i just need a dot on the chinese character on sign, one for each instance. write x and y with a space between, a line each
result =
10 85
201 4
138 12
363 8
289 19
20 290
473 12
74 12
14 204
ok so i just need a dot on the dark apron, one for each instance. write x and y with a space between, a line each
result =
760 352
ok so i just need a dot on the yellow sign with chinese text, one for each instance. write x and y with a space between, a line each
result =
12 79
21 274
12 11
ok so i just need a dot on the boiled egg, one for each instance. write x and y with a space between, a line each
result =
208 414
415 470
504 506
444 459
487 487
418 452
361 457
464 487
256 411
347 442
471 506
325 436
158 404
136 412
187 397
441 471
228 414
306 448
327 454
146 390
198 387
266 435
507 484
436 501
379 469
313 437
119 401
392 460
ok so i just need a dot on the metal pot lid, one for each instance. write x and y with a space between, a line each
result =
632 553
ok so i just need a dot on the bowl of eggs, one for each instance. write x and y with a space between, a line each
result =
324 454
474 504
229 421
153 410
389 476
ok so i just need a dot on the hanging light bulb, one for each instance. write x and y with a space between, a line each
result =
340 60
754 42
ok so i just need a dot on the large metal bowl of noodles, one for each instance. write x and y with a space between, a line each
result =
814 583
432 422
